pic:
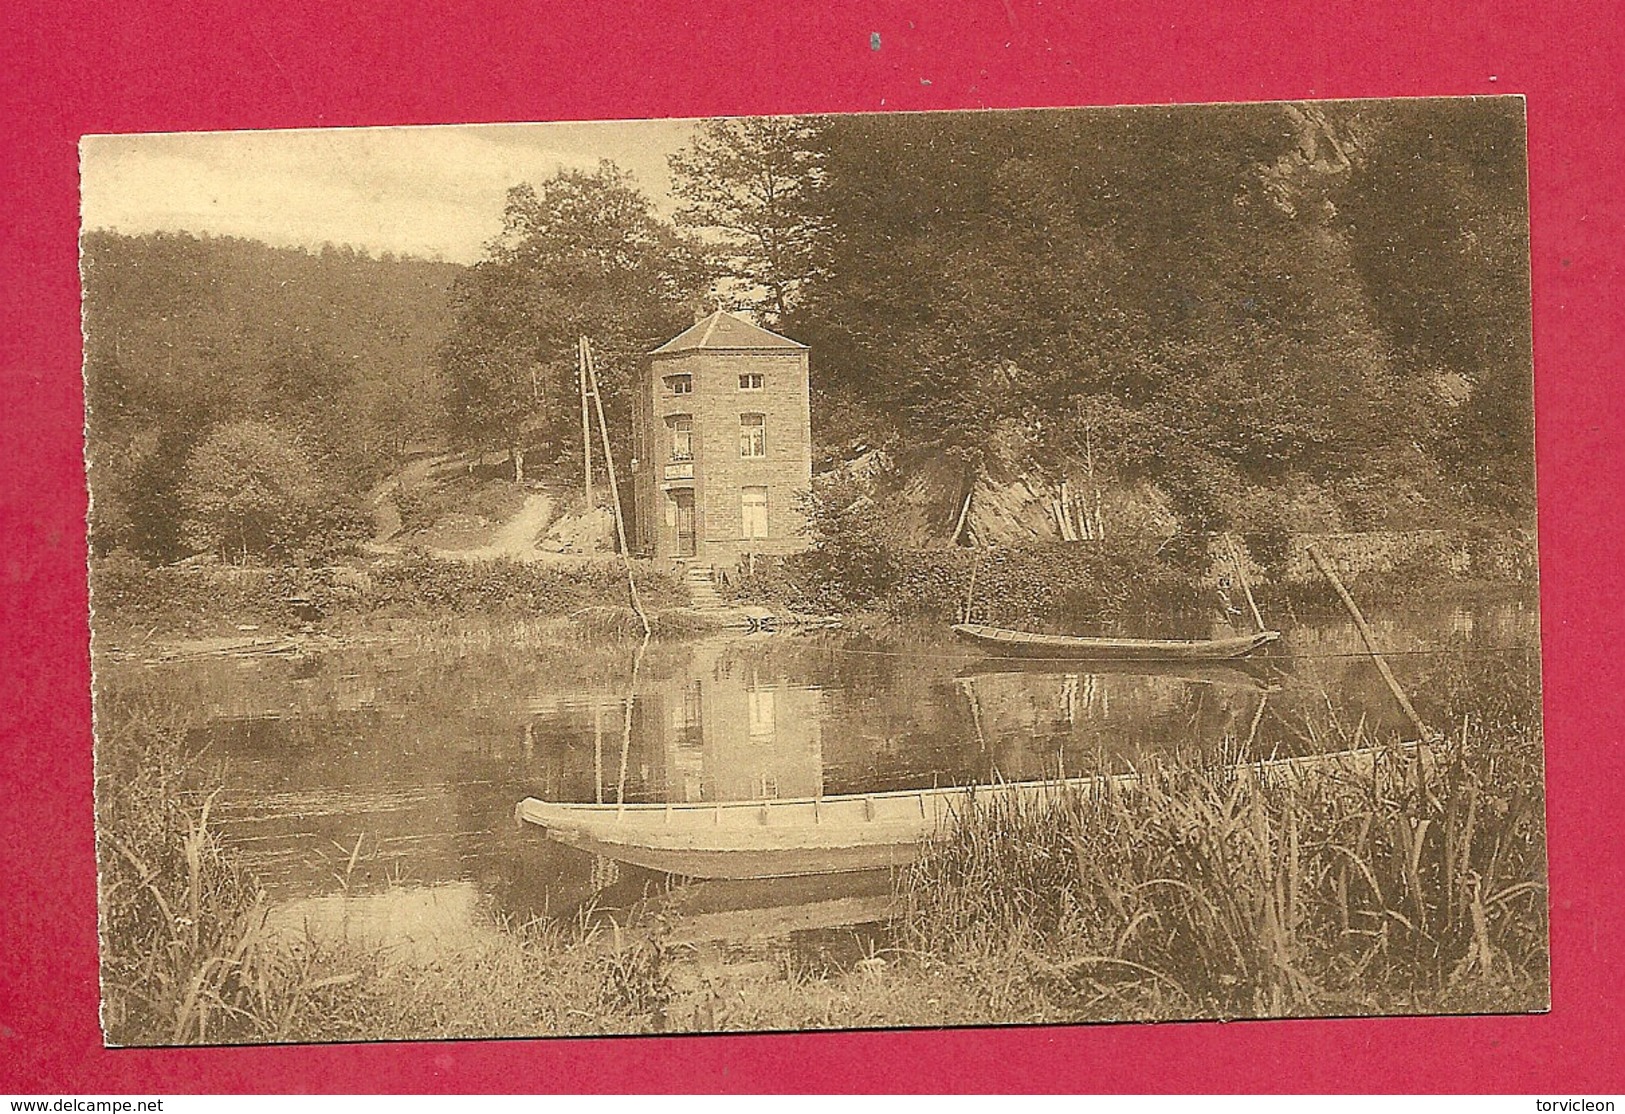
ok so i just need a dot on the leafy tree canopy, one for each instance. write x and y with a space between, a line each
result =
751 185
581 254
1259 292
247 490
184 333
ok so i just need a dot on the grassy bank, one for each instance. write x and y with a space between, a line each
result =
1074 587
1077 587
188 957
209 598
1407 889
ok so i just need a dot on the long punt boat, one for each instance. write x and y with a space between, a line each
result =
1016 643
782 838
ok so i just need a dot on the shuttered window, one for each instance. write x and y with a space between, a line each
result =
753 512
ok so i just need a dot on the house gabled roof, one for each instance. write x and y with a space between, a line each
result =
725 331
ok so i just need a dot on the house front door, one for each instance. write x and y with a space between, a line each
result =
685 522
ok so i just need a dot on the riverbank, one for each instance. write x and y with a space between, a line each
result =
1139 582
1405 889
208 598
1076 586
179 612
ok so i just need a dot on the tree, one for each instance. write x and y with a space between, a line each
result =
1437 217
583 254
987 278
247 490
186 333
751 184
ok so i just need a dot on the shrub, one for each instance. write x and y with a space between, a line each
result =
1055 584
503 585
337 527
119 582
126 590
247 489
848 564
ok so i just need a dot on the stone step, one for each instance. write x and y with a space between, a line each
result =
702 592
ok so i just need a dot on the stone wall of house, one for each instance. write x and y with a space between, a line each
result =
716 405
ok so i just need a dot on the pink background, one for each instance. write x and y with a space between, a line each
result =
72 67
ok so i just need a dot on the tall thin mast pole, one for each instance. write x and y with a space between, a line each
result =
586 422
614 488
1370 640
1241 575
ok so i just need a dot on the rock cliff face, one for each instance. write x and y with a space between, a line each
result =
928 502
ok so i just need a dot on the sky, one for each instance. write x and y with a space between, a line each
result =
435 192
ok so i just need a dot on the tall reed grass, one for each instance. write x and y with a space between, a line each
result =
1411 882
188 957
1414 882
183 954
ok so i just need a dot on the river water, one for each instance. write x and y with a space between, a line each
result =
372 787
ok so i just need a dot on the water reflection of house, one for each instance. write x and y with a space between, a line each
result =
718 725
734 730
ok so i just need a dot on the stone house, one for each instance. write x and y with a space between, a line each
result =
722 441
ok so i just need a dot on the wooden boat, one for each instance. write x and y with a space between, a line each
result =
819 835
753 839
1015 643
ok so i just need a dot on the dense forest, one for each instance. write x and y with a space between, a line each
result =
1276 316
215 365
1316 314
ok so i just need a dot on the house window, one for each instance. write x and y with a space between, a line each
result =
682 436
680 384
753 512
762 707
751 381
753 435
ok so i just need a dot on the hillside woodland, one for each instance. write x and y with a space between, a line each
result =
1024 324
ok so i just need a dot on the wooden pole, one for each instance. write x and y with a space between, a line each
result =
970 591
964 512
614 488
626 724
586 422
1252 732
598 751
1241 575
969 685
1370 640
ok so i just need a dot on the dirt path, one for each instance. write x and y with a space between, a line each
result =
516 538
386 516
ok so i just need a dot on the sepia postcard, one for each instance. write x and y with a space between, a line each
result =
787 573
